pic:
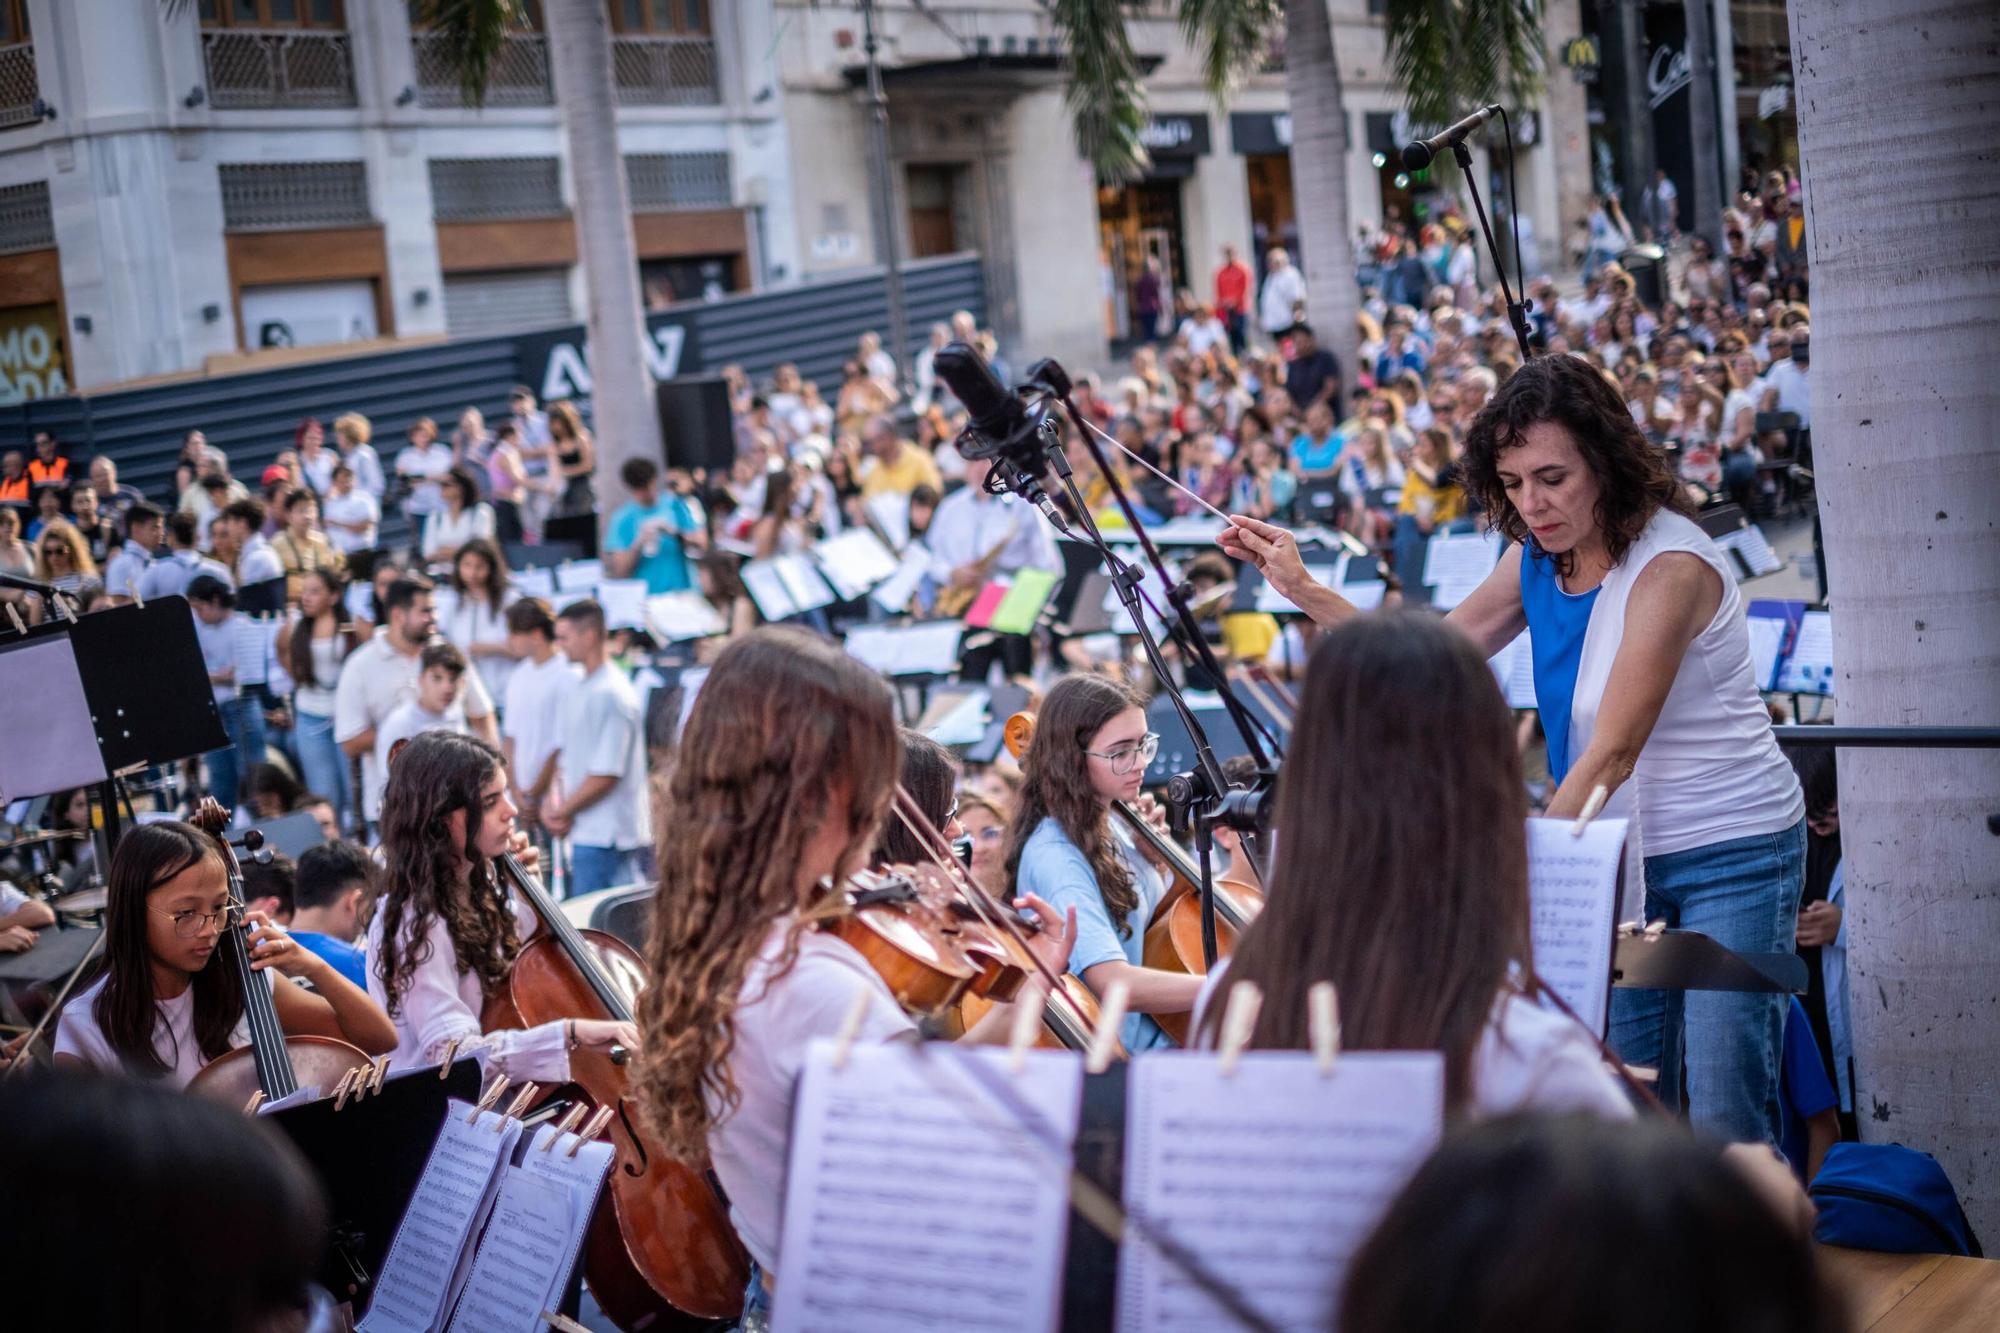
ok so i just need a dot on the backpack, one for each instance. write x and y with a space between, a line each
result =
1883 1196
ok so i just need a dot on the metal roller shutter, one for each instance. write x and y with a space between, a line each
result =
506 301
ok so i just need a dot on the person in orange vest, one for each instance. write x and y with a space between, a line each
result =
15 488
48 467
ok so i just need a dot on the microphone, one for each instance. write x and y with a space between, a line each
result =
28 585
1419 154
1001 428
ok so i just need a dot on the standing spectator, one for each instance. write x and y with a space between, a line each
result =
879 364
861 397
1607 235
603 806
332 894
350 514
113 498
1791 358
649 536
48 467
212 490
170 576
352 433
382 673
538 454
462 517
477 621
1660 208
1822 930
1233 281
315 647
471 441
316 461
436 706
507 483
215 623
1149 298
1313 376
48 509
928 388
124 575
302 547
421 465
100 534
575 461
256 563
1788 248
16 556
1284 293
533 700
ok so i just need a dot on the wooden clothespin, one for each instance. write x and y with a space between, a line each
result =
521 1100
1110 1017
344 1089
591 1129
1323 1013
1654 929
850 1026
256 1100
1239 1020
563 1323
137 600
20 626
487 1098
379 1075
445 1061
566 1125
1027 1022
65 608
1598 796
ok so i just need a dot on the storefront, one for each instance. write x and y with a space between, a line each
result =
1144 221
1263 139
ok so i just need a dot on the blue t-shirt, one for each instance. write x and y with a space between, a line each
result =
347 960
1556 624
1804 1090
1052 867
1310 455
666 569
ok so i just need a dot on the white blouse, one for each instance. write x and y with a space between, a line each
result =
79 1036
443 1003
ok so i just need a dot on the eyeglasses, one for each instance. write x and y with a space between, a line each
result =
1136 754
193 922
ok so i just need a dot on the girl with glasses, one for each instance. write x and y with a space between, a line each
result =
1091 748
164 1007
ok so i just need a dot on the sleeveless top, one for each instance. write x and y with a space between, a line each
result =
1711 770
1559 619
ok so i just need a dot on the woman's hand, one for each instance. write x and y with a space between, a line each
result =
523 849
601 1034
1155 815
1271 549
1051 944
1819 925
271 946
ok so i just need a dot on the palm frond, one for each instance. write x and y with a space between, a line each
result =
1231 36
470 34
1104 95
1450 56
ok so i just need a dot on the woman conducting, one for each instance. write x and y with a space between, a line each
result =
1642 670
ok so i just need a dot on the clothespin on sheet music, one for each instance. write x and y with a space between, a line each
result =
65 608
345 1088
591 1129
20 626
137 600
378 1075
567 1124
488 1097
256 1100
850 1026
562 1322
1323 1013
445 1060
1027 1022
1110 1017
521 1100
1598 796
1239 1020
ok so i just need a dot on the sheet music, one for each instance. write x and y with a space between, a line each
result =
1767 642
1754 547
1809 668
520 1258
1455 564
1274 1174
929 648
579 576
1270 600
252 640
1573 910
675 616
430 1255
767 590
535 581
582 1175
855 561
1365 594
802 580
624 603
891 513
895 592
886 1154
39 680
964 723
1514 666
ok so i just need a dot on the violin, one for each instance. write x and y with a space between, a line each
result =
273 1063
1173 936
661 1252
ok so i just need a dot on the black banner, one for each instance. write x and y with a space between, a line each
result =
554 363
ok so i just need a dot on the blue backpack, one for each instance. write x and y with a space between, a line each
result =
1883 1196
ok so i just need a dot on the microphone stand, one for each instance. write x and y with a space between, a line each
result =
1517 310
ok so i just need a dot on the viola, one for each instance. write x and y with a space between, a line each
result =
1173 936
661 1253
273 1063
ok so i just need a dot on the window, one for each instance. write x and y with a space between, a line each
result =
13 22
272 13
686 18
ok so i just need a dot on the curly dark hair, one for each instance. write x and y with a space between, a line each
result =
1634 479
436 773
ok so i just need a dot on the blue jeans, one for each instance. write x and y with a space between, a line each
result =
594 868
756 1304
243 720
1745 895
323 764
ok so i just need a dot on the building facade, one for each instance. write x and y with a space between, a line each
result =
188 194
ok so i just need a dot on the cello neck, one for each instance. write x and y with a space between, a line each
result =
1226 905
565 935
275 1074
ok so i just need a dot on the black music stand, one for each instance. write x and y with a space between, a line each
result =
1690 960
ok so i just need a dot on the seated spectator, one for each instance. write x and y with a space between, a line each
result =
271 792
1263 489
267 885
169 576
100 534
893 465
302 547
49 502
461 516
16 557
332 894
62 559
49 466
15 488
1316 450
421 467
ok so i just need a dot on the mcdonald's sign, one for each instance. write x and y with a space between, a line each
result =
1582 56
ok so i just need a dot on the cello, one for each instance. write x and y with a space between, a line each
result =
661 1252
1173 937
273 1063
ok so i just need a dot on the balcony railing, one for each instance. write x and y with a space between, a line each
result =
519 76
19 88
250 68
665 71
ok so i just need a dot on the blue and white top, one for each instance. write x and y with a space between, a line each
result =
1053 867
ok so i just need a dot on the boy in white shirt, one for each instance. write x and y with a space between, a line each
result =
437 707
533 702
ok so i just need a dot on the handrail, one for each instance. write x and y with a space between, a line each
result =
1891 738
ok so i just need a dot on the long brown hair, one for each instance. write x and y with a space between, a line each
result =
1634 481
435 774
127 1009
1055 784
298 645
498 576
1402 865
785 724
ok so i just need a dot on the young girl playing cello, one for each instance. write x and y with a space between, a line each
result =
164 1007
1091 748
786 770
445 932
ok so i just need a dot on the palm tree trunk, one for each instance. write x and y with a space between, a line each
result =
1906 418
1319 178
622 411
1704 127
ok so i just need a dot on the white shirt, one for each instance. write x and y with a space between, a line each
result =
374 679
442 1002
443 532
318 470
1794 390
473 620
127 567
408 718
367 466
218 654
1202 334
969 523
422 468
79 1036
601 733
532 710
171 576
258 562
775 1021
357 506
1284 288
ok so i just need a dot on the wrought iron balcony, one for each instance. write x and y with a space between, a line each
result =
665 71
519 76
256 68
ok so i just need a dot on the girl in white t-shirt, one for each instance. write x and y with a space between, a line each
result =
164 1006
786 768
1404 880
